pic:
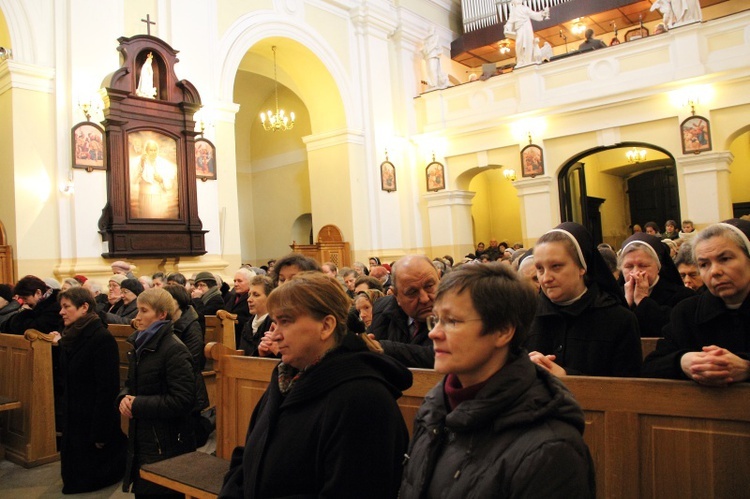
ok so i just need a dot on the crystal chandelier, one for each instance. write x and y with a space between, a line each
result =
278 121
635 155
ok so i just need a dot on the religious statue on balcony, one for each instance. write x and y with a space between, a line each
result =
518 27
431 50
678 12
146 82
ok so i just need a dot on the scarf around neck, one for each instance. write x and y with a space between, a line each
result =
72 332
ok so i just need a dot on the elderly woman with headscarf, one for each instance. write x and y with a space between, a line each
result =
582 324
708 337
129 291
652 283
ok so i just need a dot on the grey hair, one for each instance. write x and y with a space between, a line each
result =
247 273
722 229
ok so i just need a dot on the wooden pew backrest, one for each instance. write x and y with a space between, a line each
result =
646 436
121 332
28 433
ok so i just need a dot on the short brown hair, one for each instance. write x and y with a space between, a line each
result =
263 280
499 296
78 296
160 300
315 294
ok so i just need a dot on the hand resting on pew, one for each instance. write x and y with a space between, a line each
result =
715 366
548 363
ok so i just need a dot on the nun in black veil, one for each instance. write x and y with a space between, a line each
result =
651 281
582 324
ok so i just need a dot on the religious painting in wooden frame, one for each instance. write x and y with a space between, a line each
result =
387 176
696 135
153 176
88 146
435 173
532 161
205 160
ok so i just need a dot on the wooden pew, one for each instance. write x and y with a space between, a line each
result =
219 329
648 345
121 332
28 433
646 436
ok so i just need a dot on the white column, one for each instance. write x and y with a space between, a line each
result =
540 209
449 214
708 197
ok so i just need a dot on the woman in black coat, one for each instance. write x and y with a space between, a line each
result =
582 324
328 425
159 394
187 328
93 447
708 337
652 283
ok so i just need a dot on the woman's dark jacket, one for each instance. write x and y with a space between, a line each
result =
188 329
90 370
124 314
595 336
248 341
699 321
162 380
520 437
44 317
337 433
653 311
8 311
210 303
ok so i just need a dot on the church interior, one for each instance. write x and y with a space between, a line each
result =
608 126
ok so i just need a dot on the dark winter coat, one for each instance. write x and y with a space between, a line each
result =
248 341
162 380
124 314
90 370
210 303
595 336
520 437
44 317
337 433
188 329
390 325
653 311
697 322
8 311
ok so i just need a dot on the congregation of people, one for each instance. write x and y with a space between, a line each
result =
506 325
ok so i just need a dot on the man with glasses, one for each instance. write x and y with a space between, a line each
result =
398 321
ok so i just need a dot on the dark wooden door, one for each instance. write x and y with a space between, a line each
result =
654 198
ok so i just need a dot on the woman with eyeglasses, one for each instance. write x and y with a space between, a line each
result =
497 425
582 323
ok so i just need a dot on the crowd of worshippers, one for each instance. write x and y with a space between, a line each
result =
505 326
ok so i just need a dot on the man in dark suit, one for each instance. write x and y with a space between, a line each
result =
398 322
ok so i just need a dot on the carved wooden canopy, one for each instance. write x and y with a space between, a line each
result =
152 207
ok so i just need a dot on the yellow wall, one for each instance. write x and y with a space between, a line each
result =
740 177
495 208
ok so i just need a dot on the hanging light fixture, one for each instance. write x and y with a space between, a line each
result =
578 27
504 46
278 121
635 155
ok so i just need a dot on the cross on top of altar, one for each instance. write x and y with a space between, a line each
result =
148 22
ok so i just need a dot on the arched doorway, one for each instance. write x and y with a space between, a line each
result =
275 182
607 192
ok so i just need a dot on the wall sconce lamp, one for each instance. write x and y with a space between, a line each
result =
692 101
636 155
5 53
88 107
509 174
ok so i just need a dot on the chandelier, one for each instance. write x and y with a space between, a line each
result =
279 120
635 155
